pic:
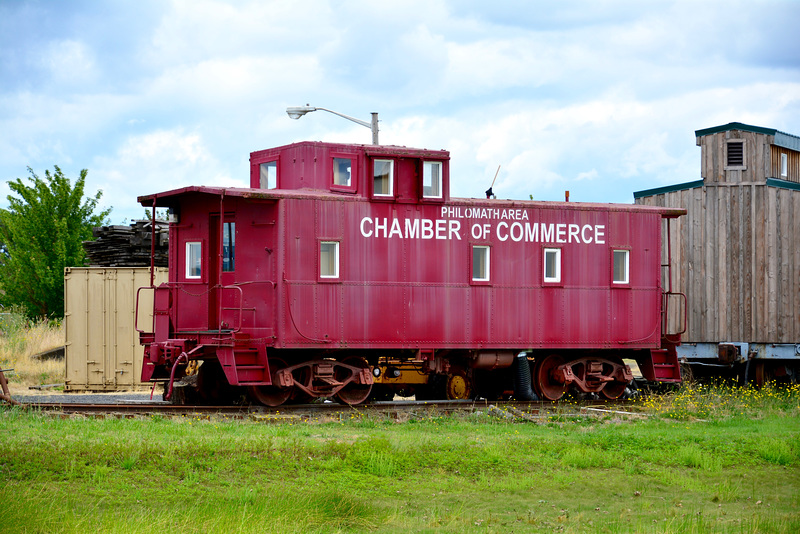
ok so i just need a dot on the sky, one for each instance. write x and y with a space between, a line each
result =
600 98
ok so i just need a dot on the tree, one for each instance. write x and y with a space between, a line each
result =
41 232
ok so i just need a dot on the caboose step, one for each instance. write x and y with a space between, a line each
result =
663 366
246 365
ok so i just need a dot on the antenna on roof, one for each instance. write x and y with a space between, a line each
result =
489 193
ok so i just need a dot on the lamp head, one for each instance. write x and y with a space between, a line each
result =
299 111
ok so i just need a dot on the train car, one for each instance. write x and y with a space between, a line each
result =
737 254
348 271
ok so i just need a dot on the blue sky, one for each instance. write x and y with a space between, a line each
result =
600 98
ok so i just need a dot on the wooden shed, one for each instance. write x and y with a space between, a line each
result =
738 247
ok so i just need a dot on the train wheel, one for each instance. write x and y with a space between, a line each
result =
353 393
546 387
271 395
458 386
613 390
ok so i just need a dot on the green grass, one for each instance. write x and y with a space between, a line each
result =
736 469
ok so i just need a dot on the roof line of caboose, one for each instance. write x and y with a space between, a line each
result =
368 149
782 139
162 200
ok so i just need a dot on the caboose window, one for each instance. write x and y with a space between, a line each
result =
621 266
552 265
329 259
383 178
432 179
228 247
194 259
342 171
268 178
480 263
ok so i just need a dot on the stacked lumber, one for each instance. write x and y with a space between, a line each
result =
128 246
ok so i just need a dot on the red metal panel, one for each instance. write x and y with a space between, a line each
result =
405 278
384 244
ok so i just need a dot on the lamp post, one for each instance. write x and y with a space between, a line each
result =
299 111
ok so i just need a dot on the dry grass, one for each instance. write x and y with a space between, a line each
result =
19 341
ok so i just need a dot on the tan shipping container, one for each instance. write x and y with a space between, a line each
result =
103 351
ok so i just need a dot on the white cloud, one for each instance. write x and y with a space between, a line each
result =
153 162
600 98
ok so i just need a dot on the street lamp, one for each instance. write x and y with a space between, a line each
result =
299 111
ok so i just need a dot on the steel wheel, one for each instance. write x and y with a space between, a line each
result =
545 385
613 390
458 386
352 393
271 395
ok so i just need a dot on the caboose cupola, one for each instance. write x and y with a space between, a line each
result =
377 172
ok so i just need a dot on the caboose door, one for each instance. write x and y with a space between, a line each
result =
223 298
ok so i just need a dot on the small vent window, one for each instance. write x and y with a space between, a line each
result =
329 259
432 179
480 263
621 258
268 177
383 175
194 259
784 165
552 265
342 171
735 154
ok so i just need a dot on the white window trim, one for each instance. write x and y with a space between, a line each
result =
557 277
441 178
391 178
189 246
487 263
627 266
335 259
784 165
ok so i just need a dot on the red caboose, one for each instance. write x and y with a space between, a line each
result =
345 267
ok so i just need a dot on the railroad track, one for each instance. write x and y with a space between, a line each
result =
403 410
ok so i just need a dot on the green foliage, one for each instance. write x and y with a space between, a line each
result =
41 232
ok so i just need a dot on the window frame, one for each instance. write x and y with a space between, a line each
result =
627 280
187 266
270 163
337 261
733 167
440 165
391 194
353 187
229 232
553 280
784 165
487 264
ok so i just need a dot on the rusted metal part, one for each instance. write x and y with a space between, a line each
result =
6 394
183 358
351 379
589 375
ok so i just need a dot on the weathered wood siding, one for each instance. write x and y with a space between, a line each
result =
792 167
714 153
737 253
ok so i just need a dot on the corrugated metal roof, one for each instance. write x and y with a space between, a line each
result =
782 139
